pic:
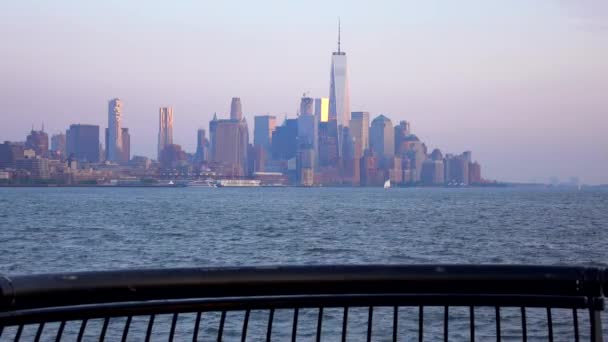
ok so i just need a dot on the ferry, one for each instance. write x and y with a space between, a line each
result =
238 182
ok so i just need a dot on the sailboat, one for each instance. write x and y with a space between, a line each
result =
387 184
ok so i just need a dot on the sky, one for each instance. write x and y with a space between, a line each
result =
523 84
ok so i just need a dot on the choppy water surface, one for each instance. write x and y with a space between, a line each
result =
72 229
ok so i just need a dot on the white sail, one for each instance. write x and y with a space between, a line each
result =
387 184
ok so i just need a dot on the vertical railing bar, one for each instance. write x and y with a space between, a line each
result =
344 323
1 330
19 332
595 317
446 317
197 325
370 318
550 324
524 325
395 322
39 332
125 331
498 334
472 322
245 323
220 330
104 328
575 318
319 324
420 323
294 329
173 324
60 331
149 330
83 327
269 329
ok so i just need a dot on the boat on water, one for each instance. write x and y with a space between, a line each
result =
387 184
202 184
238 182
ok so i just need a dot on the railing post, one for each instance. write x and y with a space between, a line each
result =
596 325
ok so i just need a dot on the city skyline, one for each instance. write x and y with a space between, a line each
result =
514 123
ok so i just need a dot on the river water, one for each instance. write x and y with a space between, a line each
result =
75 229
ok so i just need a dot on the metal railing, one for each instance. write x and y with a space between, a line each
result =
375 302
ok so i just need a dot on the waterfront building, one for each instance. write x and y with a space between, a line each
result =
474 173
231 147
9 153
58 144
328 144
38 141
322 109
202 147
37 167
172 156
126 146
114 141
359 129
264 126
308 128
432 172
371 175
165 128
212 142
236 109
402 132
82 143
456 169
382 136
284 140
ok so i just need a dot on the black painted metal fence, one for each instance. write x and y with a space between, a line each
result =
347 303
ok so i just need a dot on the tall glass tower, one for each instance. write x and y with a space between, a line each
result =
165 128
114 142
339 93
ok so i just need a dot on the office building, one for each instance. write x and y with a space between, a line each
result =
58 144
126 146
382 136
9 153
432 172
359 129
322 109
165 128
202 147
402 133
38 141
284 140
114 141
231 147
82 143
264 126
236 109
475 173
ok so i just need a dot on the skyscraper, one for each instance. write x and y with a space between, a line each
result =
263 127
82 142
339 94
382 136
38 141
322 109
236 109
114 142
231 143
202 146
58 144
165 128
126 146
359 129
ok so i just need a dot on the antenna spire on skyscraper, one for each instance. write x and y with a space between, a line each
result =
338 35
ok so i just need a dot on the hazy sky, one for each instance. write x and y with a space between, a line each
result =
523 84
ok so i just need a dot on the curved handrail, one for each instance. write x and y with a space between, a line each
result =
63 289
